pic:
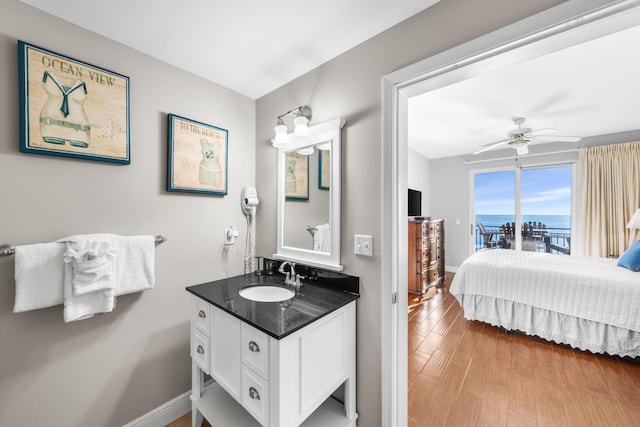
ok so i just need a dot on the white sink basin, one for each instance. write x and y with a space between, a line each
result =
266 293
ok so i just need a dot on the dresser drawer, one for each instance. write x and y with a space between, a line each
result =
200 349
432 274
200 315
255 350
255 397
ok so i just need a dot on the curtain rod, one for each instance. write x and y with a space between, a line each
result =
470 162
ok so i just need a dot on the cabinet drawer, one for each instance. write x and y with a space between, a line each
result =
420 255
200 315
255 350
200 349
432 274
255 397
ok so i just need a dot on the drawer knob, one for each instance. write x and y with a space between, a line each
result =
253 393
254 347
200 349
202 314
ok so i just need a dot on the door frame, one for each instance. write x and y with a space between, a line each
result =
566 24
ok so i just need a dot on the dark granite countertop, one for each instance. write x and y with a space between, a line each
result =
312 301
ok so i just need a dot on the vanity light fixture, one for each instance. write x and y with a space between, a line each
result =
301 129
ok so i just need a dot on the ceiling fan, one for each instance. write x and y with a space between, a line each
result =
520 138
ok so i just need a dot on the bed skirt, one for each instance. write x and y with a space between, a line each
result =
579 333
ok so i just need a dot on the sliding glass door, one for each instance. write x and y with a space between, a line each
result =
494 208
525 209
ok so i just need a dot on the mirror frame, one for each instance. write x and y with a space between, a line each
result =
323 132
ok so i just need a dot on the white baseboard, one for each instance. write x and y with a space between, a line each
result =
164 414
451 269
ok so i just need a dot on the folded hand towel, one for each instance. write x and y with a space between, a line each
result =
93 259
89 282
85 306
94 274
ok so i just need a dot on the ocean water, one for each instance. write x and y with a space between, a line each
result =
553 222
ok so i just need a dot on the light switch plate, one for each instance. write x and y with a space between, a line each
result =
363 245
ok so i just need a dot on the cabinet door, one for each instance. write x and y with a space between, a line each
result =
225 352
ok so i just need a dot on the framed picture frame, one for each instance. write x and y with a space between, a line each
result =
197 157
71 108
324 169
296 180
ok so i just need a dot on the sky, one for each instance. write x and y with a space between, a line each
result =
544 191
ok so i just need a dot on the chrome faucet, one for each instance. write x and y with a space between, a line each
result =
290 278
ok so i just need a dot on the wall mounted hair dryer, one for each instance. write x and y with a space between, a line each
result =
249 200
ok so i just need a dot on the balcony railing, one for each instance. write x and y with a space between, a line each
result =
552 240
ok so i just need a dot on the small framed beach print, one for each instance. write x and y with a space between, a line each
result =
70 108
296 178
197 157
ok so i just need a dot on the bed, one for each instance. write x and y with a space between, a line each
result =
586 302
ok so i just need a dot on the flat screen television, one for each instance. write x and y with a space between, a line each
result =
415 202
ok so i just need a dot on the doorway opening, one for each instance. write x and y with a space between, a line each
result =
567 24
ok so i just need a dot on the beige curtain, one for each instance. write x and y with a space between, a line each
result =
608 185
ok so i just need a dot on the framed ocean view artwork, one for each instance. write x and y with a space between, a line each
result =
70 108
197 157
324 169
296 180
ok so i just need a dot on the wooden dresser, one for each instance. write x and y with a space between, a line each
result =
426 254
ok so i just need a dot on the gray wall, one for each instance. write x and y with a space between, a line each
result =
418 178
113 368
349 86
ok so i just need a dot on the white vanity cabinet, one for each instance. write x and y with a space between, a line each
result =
259 380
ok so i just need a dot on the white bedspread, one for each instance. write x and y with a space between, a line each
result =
594 289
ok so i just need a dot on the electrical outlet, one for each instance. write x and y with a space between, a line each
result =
363 245
230 236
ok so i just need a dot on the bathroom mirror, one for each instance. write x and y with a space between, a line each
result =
308 228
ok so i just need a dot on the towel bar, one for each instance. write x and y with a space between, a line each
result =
6 250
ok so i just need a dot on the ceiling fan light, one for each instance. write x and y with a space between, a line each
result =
518 142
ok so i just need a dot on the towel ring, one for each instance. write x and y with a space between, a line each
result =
7 250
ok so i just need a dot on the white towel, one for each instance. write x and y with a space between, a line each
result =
135 269
90 277
85 306
93 260
322 238
39 274
40 271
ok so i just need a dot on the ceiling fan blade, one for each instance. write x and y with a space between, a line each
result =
554 138
522 150
541 132
492 145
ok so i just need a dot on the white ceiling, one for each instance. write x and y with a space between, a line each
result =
587 90
250 46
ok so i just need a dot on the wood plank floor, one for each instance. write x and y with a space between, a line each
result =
467 373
